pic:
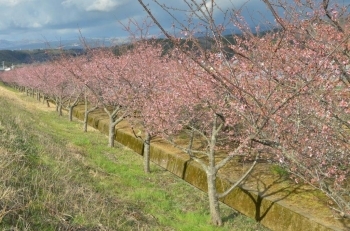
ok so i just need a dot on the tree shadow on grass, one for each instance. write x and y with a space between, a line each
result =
276 194
231 216
264 190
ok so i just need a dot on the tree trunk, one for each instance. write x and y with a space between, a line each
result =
211 176
86 113
86 120
70 113
46 99
111 132
71 106
146 156
60 109
213 199
113 121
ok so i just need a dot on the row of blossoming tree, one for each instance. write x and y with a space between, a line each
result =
282 95
289 86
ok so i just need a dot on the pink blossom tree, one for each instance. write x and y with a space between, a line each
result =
285 87
80 68
145 70
108 73
318 143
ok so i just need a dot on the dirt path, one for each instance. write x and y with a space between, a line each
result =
30 103
17 98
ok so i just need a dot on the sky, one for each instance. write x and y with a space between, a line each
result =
55 20
63 19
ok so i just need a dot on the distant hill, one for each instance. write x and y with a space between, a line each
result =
16 57
18 52
37 51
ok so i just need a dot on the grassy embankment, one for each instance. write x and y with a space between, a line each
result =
55 177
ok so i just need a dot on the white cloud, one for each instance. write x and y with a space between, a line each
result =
94 5
103 5
28 16
226 4
36 25
11 2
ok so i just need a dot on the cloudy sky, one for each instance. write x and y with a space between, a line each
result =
62 19
54 20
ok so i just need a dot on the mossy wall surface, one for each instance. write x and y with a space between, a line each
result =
272 213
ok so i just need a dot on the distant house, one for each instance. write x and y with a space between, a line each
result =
5 68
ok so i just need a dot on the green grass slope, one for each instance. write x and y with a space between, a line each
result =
55 177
